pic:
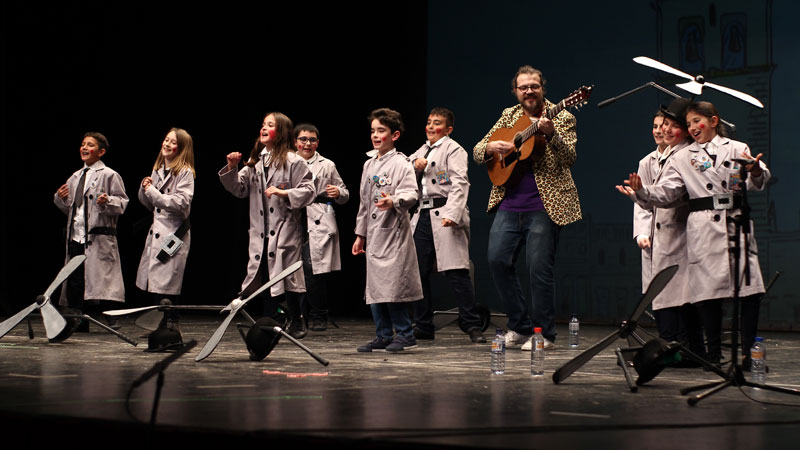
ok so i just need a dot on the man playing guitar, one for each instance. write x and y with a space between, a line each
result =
531 207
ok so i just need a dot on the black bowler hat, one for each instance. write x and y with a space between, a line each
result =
677 110
261 338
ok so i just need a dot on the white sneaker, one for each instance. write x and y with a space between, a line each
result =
514 339
548 345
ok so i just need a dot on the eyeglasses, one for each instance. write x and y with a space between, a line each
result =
532 87
304 139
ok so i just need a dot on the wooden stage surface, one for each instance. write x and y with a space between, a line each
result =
439 394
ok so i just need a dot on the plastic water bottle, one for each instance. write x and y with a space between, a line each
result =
537 353
499 353
758 354
574 328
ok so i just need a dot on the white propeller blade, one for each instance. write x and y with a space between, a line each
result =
53 322
149 320
738 94
212 343
64 273
649 62
123 312
237 304
692 86
12 321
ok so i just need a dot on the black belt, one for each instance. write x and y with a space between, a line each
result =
720 201
428 203
163 256
108 231
323 199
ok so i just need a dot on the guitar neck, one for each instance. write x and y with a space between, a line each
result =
534 127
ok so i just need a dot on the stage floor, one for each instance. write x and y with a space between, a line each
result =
441 393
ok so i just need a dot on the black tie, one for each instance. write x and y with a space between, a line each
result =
79 190
713 157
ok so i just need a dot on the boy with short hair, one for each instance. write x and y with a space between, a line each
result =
441 224
321 249
93 198
383 233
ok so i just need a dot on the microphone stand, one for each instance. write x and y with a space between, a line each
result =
735 375
158 371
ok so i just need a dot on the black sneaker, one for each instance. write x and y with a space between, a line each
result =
319 325
297 329
83 326
421 334
113 323
378 344
400 343
476 336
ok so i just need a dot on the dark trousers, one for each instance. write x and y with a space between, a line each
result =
76 281
681 324
293 299
391 318
749 324
711 312
458 279
316 298
538 234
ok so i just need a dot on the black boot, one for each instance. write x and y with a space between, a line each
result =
297 327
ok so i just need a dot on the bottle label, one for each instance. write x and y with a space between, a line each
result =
755 354
498 346
539 345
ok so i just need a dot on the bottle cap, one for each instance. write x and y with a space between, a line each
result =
759 339
537 330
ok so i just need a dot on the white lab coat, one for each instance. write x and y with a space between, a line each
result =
102 268
323 233
276 219
710 260
446 177
392 269
170 200
666 228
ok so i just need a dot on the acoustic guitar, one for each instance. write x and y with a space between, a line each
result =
501 168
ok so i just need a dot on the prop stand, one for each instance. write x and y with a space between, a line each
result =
735 375
626 329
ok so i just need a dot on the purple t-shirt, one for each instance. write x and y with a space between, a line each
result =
522 194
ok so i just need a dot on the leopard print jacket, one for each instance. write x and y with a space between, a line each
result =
553 177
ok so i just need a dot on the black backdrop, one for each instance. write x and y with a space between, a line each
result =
133 70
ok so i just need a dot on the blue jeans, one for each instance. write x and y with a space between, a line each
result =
539 234
391 317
